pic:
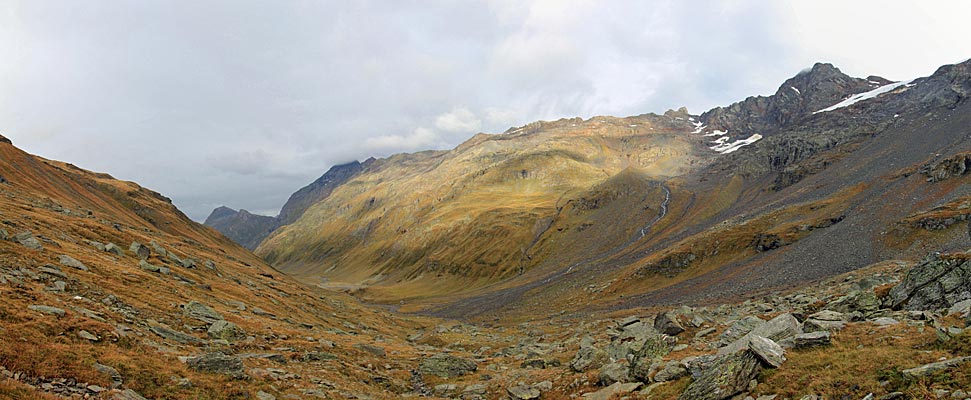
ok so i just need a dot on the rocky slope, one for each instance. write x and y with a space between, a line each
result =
817 179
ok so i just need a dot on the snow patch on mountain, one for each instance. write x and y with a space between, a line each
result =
723 146
856 98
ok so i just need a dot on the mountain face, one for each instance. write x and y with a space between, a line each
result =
249 230
241 226
632 208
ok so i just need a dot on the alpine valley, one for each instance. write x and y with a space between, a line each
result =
810 244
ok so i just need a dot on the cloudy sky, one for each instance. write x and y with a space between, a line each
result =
242 102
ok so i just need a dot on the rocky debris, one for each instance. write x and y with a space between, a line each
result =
140 250
929 369
447 366
771 354
940 170
523 392
612 391
418 383
114 249
588 357
219 363
812 339
69 261
174 335
116 378
225 330
884 321
28 240
201 312
728 375
934 283
47 310
613 373
83 334
667 323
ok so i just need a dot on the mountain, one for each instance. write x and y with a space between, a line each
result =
109 291
249 230
241 226
649 209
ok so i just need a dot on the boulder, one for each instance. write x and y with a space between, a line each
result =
28 240
667 323
158 249
523 392
937 282
613 373
139 250
447 366
781 327
652 349
47 310
613 391
771 354
116 378
167 333
114 249
69 261
738 329
218 363
728 376
201 312
225 330
672 370
127 394
587 358
930 369
812 339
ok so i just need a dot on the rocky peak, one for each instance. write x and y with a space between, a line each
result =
320 189
219 213
797 98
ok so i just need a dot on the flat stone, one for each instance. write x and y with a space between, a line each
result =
932 368
613 391
201 312
127 394
523 392
217 363
177 336
88 336
812 339
768 351
47 310
885 321
226 330
447 366
68 261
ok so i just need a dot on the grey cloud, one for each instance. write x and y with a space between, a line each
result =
241 102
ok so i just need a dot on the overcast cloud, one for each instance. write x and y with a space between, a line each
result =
243 102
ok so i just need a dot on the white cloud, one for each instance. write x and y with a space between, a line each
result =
419 139
459 120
